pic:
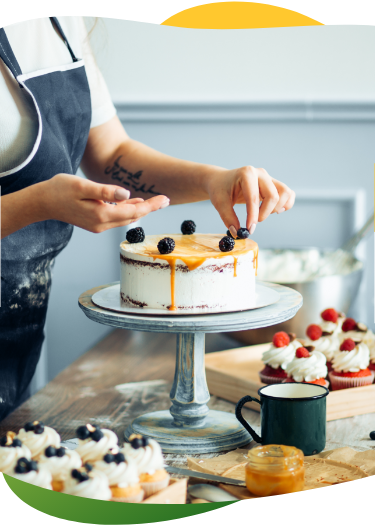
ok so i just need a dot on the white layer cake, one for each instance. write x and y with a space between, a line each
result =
196 275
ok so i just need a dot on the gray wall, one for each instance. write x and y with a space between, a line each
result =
276 92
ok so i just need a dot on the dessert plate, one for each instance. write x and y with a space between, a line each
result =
109 299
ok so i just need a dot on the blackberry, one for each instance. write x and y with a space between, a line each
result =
243 233
60 452
226 244
166 245
136 235
188 227
82 432
50 451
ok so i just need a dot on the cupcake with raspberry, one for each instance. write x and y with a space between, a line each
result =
308 365
60 462
331 321
327 344
37 438
122 477
148 457
359 332
11 450
277 357
350 366
87 482
33 473
94 442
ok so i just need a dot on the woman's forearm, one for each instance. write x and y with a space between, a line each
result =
21 208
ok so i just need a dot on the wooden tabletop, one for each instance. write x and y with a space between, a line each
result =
129 373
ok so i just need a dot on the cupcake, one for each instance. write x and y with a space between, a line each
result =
87 482
149 460
359 332
350 366
331 321
60 462
94 442
37 438
277 357
33 473
122 477
327 344
308 365
11 449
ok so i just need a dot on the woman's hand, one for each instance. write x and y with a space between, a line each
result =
83 203
253 186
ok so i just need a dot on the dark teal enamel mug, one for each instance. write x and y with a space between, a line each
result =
292 413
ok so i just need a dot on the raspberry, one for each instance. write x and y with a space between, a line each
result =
349 325
314 332
188 227
243 233
330 314
347 345
166 245
302 352
226 244
136 235
281 339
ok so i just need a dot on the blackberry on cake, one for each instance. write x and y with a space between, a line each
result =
188 227
135 235
166 245
226 244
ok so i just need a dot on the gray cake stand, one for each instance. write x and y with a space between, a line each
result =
189 427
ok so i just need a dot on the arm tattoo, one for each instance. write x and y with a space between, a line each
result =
128 179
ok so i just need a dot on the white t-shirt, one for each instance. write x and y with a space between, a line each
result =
36 46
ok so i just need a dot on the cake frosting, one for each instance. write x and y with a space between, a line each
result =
330 327
196 275
352 361
61 466
327 345
148 459
121 474
10 454
308 369
279 357
95 486
32 473
36 441
91 451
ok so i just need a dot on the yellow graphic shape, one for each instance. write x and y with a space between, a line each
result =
238 15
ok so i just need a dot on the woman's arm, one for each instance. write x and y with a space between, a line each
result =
112 157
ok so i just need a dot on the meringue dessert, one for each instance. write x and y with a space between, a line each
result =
11 450
194 274
37 438
88 482
60 462
33 473
94 442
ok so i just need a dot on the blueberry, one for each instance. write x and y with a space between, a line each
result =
39 429
60 452
16 443
83 477
50 451
75 473
119 457
3 441
243 233
83 432
89 467
97 435
33 466
109 458
372 435
136 443
145 441
29 426
20 469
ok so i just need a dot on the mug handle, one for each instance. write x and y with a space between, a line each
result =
244 423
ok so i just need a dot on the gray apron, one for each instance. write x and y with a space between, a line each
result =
61 96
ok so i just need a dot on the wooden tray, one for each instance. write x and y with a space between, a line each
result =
234 373
175 493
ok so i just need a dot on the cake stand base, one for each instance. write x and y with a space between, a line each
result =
220 432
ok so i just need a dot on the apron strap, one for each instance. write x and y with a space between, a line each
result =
7 55
56 23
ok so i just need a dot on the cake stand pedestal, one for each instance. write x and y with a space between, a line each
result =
189 427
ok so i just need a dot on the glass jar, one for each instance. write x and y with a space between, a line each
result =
274 470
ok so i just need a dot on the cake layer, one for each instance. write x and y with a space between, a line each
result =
195 275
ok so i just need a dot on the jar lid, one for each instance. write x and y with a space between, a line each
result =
275 456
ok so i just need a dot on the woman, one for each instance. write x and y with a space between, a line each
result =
56 115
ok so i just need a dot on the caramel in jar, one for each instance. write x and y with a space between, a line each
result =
274 470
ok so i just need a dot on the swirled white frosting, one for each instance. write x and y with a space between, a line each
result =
90 450
37 443
96 487
10 455
308 369
60 467
148 459
368 337
41 478
122 475
279 357
332 328
326 345
352 361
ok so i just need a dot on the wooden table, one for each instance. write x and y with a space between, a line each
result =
129 373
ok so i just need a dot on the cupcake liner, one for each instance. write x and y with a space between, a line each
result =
267 379
153 487
138 497
340 383
326 385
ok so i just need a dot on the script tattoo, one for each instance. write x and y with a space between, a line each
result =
128 179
